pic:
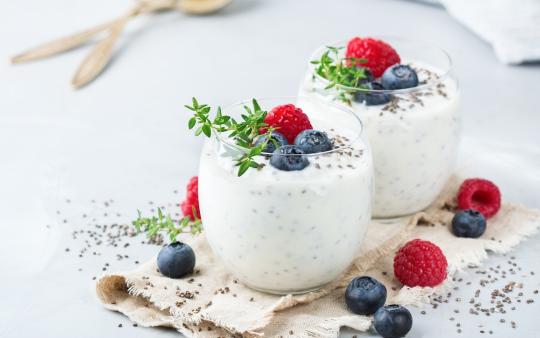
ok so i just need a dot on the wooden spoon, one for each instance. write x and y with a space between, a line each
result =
99 57
200 7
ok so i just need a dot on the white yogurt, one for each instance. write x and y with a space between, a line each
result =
288 231
414 140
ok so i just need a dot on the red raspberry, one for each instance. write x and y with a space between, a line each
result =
480 195
289 120
379 54
188 209
192 199
192 189
420 263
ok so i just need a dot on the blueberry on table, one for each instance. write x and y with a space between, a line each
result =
392 321
367 95
468 223
399 77
275 138
289 158
365 295
176 260
312 141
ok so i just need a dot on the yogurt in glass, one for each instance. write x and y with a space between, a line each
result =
414 136
289 231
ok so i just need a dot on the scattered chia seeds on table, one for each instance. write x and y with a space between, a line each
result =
499 297
493 297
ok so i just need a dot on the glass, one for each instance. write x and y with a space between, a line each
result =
289 231
414 133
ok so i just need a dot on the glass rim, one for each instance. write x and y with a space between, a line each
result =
224 139
343 43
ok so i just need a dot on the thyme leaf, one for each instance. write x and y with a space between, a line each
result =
154 225
244 131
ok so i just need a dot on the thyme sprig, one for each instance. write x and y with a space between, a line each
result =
243 132
340 72
156 224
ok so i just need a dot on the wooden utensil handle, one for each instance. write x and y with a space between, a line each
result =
60 45
69 42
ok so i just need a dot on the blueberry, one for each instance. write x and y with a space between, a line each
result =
271 146
468 223
361 82
399 77
392 321
372 98
365 295
312 141
289 158
176 260
369 76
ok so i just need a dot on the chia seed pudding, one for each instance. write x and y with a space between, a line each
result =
289 231
414 132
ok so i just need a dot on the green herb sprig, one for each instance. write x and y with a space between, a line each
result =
156 224
244 132
340 72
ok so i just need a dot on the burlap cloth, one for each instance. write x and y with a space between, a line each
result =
211 303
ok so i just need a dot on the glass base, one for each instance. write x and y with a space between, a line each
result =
390 219
285 292
393 216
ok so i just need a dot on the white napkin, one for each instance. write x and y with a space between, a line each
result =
512 27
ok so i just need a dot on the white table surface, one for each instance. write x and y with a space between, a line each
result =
124 136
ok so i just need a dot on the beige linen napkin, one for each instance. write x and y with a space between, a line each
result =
211 303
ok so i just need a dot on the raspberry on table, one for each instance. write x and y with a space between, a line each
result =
289 121
481 195
420 263
192 189
379 54
191 203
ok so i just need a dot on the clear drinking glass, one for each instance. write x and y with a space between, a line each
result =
289 231
414 136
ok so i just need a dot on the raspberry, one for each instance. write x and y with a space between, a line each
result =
190 209
191 203
420 263
480 195
379 54
192 189
289 120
